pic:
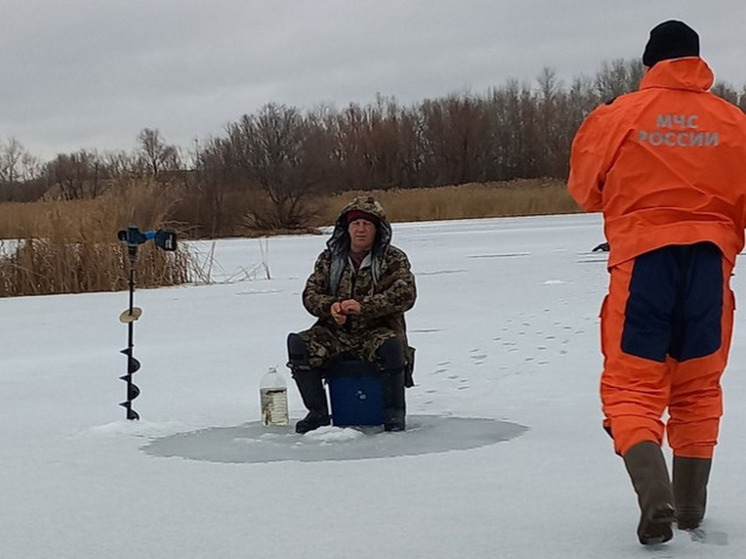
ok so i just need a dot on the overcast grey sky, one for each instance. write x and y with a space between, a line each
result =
93 73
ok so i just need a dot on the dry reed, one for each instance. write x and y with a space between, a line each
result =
72 247
467 201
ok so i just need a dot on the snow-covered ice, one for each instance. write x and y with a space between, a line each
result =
504 456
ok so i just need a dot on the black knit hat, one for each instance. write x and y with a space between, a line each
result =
670 39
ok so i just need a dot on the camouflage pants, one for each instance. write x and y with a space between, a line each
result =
324 344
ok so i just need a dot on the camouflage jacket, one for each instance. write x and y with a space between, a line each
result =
385 289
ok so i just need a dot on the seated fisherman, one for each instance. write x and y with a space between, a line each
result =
359 290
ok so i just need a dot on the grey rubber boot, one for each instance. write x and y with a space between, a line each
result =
690 477
647 470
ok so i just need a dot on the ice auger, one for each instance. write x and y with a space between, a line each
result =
166 240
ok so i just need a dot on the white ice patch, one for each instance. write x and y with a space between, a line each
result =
333 434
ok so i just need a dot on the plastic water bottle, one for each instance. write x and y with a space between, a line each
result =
273 394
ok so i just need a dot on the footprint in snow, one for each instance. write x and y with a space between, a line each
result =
478 356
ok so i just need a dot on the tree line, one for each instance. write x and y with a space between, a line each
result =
516 130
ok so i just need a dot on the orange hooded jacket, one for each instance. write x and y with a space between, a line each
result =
666 164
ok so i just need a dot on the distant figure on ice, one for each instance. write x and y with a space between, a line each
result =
603 247
359 290
665 164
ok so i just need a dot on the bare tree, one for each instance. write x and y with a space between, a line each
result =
156 154
287 155
121 167
726 91
20 173
17 164
456 138
619 77
216 174
76 175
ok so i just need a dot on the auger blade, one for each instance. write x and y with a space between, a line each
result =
133 365
133 391
131 414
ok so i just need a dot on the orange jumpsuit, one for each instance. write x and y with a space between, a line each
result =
665 164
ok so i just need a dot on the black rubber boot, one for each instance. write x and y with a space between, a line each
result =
310 386
314 398
391 361
690 477
394 404
647 469
311 422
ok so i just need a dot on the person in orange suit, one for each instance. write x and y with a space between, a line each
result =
665 165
